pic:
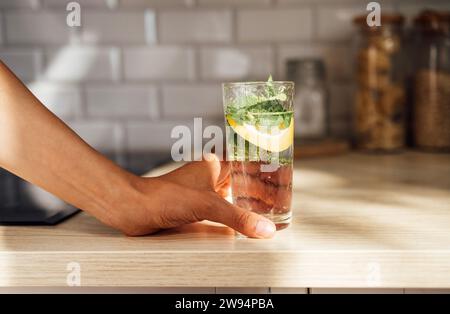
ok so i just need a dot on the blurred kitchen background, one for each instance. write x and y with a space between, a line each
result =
136 68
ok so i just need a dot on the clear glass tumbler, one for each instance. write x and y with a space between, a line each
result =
259 121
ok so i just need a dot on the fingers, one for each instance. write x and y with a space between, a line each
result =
208 174
224 189
193 174
163 204
212 177
224 177
243 221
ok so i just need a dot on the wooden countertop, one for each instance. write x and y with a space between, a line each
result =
359 221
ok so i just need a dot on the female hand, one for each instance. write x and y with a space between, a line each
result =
189 194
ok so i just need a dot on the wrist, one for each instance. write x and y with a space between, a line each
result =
132 210
115 196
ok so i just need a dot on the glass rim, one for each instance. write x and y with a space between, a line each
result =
256 83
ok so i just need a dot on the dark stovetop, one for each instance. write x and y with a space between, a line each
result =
22 203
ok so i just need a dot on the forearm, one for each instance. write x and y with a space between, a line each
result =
39 147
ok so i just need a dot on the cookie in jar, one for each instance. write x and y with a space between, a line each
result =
379 111
431 92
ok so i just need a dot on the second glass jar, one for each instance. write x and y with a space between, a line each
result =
431 99
379 113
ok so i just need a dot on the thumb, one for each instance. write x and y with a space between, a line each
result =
244 221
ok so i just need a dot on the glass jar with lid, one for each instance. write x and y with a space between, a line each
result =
379 111
311 97
431 96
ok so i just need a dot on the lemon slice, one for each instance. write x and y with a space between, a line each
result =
273 140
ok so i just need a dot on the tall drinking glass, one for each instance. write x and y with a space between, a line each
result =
259 122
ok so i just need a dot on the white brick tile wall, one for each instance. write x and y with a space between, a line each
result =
118 27
335 22
274 24
76 63
102 135
156 136
153 136
236 63
156 3
320 2
240 3
189 101
25 63
336 57
32 4
83 3
123 101
290 1
159 63
138 67
195 26
62 99
37 28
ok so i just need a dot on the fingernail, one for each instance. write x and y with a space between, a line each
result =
265 228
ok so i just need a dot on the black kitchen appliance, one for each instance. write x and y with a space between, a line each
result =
22 203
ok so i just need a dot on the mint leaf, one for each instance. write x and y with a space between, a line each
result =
263 111
270 89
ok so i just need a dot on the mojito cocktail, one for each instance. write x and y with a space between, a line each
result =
260 131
